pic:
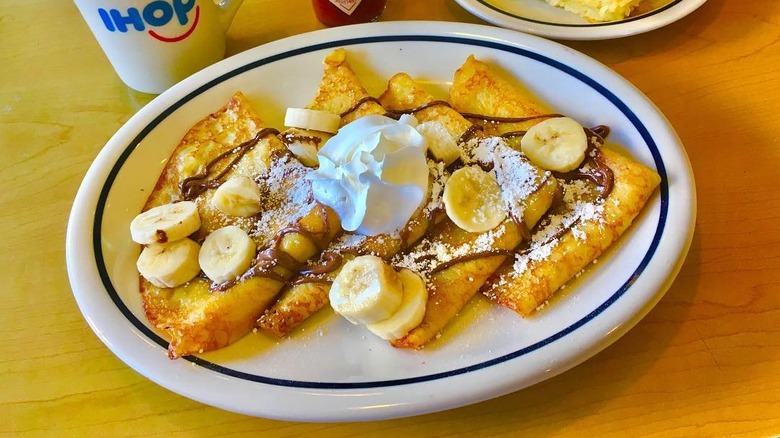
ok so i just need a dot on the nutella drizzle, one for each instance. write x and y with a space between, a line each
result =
474 256
496 119
161 236
311 279
398 113
525 232
526 247
278 154
470 133
601 130
289 138
512 134
329 261
273 256
600 174
196 185
357 105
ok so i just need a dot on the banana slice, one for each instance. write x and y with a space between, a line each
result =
226 253
165 223
312 119
239 196
556 144
367 290
441 144
472 200
305 151
169 264
409 314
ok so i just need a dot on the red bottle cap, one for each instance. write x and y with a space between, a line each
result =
341 12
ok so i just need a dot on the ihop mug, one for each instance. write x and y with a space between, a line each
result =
153 44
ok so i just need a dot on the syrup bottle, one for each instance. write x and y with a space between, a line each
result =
341 12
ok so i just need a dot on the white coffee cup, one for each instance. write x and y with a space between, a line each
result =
153 44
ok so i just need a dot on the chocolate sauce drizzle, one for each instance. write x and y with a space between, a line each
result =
197 184
358 104
526 248
289 138
470 133
496 119
161 236
513 134
398 113
599 173
329 262
272 256
468 257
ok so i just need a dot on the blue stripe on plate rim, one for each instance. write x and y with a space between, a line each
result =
101 204
605 24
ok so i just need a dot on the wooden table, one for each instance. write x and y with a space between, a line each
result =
704 362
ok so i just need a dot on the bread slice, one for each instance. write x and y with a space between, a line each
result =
200 316
598 10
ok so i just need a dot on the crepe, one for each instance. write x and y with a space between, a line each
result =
531 279
580 227
451 285
198 315
340 92
557 223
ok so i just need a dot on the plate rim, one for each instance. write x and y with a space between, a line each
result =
657 18
196 85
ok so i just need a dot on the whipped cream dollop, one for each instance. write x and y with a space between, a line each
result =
373 173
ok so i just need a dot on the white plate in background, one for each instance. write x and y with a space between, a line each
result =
539 18
330 370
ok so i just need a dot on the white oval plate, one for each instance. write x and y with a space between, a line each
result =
330 370
539 18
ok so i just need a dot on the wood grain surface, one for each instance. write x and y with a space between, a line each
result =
704 362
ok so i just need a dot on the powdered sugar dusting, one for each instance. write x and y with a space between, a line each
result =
349 241
431 252
578 208
286 197
438 178
516 176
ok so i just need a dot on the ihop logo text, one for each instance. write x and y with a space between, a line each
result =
155 14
